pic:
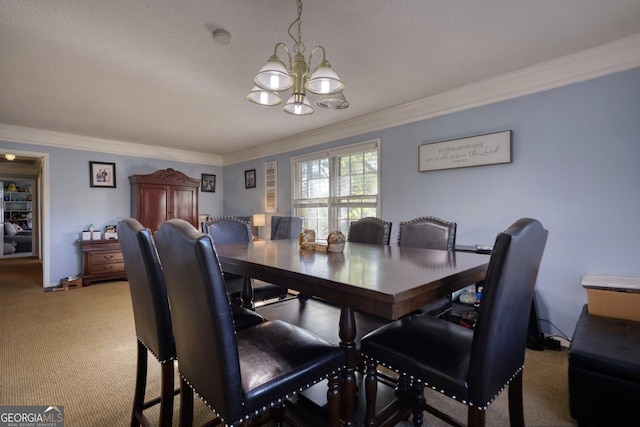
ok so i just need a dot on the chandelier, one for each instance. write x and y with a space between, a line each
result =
300 77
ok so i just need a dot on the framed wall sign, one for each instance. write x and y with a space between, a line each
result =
489 149
250 178
208 183
102 174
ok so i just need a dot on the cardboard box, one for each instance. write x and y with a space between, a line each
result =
613 296
71 282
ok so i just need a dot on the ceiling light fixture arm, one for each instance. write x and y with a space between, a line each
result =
275 51
324 57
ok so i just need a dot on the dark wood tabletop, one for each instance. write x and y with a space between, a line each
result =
388 281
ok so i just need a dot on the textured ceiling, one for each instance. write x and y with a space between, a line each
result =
149 71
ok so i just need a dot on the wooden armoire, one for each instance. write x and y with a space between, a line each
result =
162 195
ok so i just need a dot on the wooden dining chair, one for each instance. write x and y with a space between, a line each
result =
152 319
242 375
470 366
225 230
370 230
429 232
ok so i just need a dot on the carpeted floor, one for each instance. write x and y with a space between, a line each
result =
77 348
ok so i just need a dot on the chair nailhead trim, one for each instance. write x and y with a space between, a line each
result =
154 354
426 384
257 412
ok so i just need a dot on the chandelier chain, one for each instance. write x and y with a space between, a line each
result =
298 46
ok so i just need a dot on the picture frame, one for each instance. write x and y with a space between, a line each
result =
102 174
208 183
110 231
250 178
479 150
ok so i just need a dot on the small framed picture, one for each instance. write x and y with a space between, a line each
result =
208 183
102 174
110 231
250 178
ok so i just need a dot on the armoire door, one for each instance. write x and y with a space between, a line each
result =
184 202
154 201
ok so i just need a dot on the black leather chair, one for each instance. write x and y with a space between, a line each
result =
238 375
153 318
285 227
245 290
430 233
370 230
470 366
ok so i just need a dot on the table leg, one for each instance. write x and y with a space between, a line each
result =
348 383
246 296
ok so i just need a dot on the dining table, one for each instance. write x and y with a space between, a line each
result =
383 280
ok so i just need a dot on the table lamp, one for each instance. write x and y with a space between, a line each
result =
259 220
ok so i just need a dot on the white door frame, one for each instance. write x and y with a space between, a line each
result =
45 209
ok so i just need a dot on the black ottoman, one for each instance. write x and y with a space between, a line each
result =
604 371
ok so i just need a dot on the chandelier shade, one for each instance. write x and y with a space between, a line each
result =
334 101
263 97
273 76
300 76
298 105
324 80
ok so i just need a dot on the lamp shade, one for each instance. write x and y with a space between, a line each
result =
273 76
324 80
335 101
259 220
298 105
263 97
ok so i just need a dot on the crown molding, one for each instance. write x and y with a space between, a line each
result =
25 135
620 55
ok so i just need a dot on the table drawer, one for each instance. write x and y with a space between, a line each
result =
105 268
105 257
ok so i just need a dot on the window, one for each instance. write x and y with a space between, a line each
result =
333 188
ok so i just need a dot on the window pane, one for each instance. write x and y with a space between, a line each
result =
357 163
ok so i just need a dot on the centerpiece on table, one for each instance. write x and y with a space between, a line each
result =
336 241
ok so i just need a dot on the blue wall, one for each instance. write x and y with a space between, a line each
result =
575 155
575 168
74 204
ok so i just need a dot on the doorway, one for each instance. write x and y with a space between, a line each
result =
31 169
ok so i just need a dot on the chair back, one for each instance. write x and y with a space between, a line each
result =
285 227
148 290
229 230
428 232
500 336
202 319
370 230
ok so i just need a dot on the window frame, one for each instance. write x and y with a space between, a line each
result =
334 202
